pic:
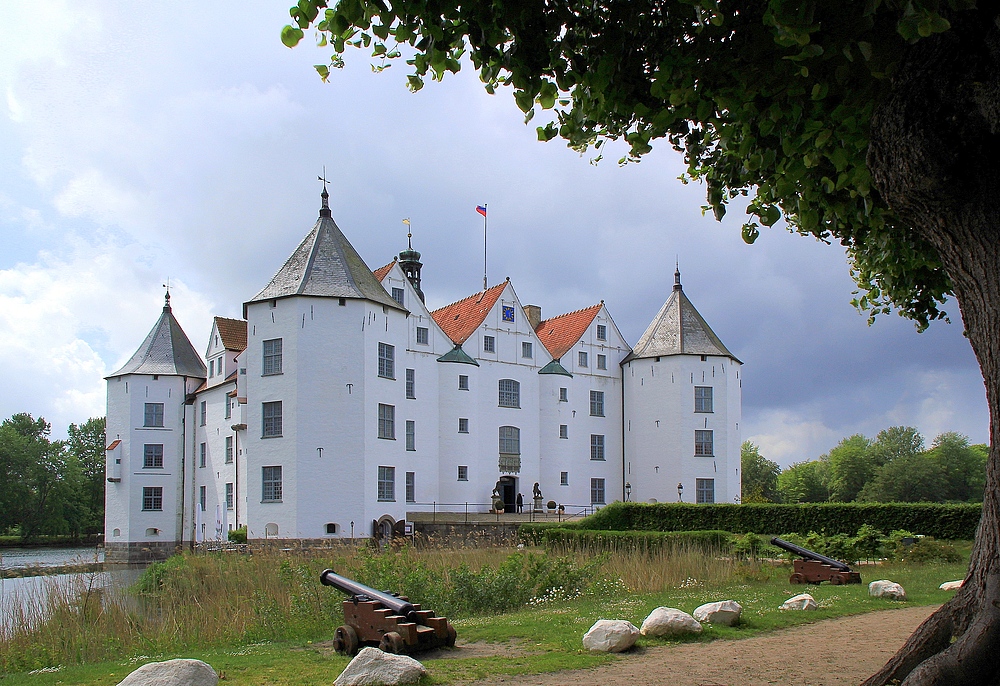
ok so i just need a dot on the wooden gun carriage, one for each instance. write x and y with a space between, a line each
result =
815 568
390 622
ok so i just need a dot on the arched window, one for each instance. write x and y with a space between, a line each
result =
510 449
510 393
331 528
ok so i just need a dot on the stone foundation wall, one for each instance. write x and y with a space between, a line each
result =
466 533
144 552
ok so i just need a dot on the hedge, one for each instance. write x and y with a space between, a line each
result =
582 539
948 522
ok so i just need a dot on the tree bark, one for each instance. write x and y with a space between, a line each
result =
935 158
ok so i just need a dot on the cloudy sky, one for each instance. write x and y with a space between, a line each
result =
177 143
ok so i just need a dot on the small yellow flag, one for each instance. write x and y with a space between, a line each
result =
406 221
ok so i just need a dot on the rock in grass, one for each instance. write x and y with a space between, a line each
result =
173 673
952 585
371 667
669 621
886 589
725 612
611 636
802 601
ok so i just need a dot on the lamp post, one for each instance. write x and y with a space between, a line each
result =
628 491
680 493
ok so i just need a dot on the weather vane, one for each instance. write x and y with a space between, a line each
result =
323 178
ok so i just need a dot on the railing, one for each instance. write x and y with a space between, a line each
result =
561 512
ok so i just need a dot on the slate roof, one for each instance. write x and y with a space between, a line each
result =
381 272
678 329
166 350
559 334
460 319
233 333
326 265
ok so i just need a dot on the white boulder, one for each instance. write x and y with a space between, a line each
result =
725 612
886 589
173 673
669 621
371 667
952 585
802 601
611 636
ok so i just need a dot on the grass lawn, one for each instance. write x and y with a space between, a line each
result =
545 637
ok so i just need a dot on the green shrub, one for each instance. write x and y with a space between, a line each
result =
948 522
927 550
599 541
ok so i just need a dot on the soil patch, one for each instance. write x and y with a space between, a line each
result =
831 652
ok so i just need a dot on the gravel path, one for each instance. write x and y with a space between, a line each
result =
831 652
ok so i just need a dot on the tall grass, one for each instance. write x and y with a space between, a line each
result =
221 600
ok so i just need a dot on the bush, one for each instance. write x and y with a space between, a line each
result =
581 539
926 550
238 535
949 522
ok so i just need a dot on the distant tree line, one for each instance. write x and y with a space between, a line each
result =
51 487
894 466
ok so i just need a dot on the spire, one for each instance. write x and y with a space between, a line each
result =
166 300
677 276
166 350
325 208
409 262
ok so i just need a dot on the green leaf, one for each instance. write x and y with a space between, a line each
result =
323 71
750 233
291 36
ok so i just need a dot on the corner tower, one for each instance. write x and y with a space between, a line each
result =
683 405
147 407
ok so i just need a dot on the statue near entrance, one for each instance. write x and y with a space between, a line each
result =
536 495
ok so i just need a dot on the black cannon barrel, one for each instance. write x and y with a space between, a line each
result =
809 554
328 577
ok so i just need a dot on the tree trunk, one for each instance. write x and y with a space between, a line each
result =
935 158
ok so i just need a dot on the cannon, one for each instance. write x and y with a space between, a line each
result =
384 620
815 568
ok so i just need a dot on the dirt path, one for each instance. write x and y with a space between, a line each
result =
833 651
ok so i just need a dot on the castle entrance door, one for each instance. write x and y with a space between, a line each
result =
508 491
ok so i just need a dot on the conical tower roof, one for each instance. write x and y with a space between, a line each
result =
678 329
166 350
326 265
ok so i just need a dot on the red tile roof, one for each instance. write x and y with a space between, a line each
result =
460 320
559 334
233 333
382 271
114 444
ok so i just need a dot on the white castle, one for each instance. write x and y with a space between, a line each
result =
340 403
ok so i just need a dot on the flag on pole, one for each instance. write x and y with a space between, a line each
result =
406 221
481 210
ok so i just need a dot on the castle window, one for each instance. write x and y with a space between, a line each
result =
564 478
386 421
422 335
331 529
230 499
203 498
703 399
411 487
387 484
489 344
271 361
526 349
229 449
602 332
703 443
202 455
229 408
211 368
581 358
510 393
463 382
463 425
271 419
397 295
563 395
704 490
510 449
563 431
411 375
152 456
152 498
602 361
597 491
270 484
597 447
387 361
463 472
153 414
204 412
597 403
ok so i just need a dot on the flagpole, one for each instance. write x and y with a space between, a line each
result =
484 247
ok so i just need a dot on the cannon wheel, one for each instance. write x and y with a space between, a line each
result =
796 579
345 640
452 635
391 643
836 580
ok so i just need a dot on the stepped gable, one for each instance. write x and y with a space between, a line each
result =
381 272
325 265
233 333
559 334
166 350
460 319
678 329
